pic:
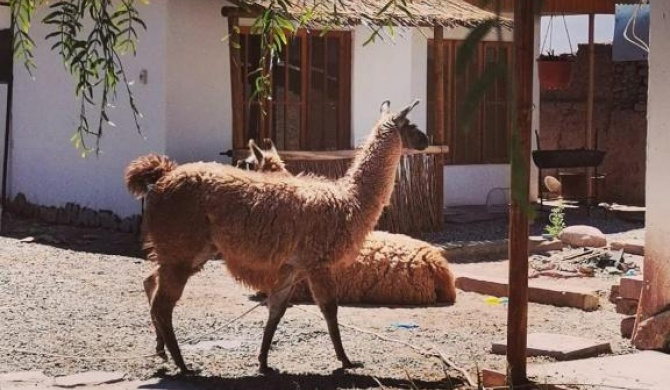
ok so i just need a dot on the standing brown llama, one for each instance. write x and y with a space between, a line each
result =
391 269
283 228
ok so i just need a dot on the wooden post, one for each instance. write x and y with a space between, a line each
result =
517 315
438 79
438 133
590 134
236 81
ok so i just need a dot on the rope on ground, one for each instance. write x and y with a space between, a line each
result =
224 325
437 353
452 365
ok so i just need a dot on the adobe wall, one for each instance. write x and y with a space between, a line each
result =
620 119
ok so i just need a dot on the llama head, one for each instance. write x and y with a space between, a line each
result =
267 160
412 137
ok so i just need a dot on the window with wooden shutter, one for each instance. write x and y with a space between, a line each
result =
483 139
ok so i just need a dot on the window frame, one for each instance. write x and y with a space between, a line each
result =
342 138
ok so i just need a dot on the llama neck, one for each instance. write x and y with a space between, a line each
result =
372 174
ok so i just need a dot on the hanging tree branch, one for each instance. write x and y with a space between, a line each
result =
91 55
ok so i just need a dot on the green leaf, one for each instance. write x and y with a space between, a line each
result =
468 47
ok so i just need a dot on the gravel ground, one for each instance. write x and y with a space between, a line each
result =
75 305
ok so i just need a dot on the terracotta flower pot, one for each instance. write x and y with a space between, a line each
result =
554 74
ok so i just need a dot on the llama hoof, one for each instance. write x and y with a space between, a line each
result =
162 355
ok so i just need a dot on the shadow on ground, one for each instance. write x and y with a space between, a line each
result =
337 380
93 240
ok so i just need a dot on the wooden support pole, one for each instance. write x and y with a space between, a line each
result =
517 315
438 78
590 136
439 110
590 133
237 87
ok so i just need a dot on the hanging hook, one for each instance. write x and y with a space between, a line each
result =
549 34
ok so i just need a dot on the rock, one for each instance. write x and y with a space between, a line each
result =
583 236
654 332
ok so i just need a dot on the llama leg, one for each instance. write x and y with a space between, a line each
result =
324 292
171 282
149 288
277 303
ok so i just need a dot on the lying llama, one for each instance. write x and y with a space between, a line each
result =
391 269
282 228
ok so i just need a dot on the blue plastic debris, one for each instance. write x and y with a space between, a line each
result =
404 325
631 272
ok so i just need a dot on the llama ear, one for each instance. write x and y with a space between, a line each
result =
385 107
272 147
402 114
257 153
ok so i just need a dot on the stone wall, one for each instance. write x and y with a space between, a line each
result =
620 119
73 214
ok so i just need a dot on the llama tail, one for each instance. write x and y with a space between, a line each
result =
145 171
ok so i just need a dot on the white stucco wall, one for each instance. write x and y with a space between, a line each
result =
470 184
386 69
44 164
199 110
657 251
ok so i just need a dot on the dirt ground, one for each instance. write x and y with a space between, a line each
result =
70 303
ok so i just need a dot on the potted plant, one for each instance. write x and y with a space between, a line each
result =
555 70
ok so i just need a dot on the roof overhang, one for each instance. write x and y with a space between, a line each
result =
559 7
417 13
